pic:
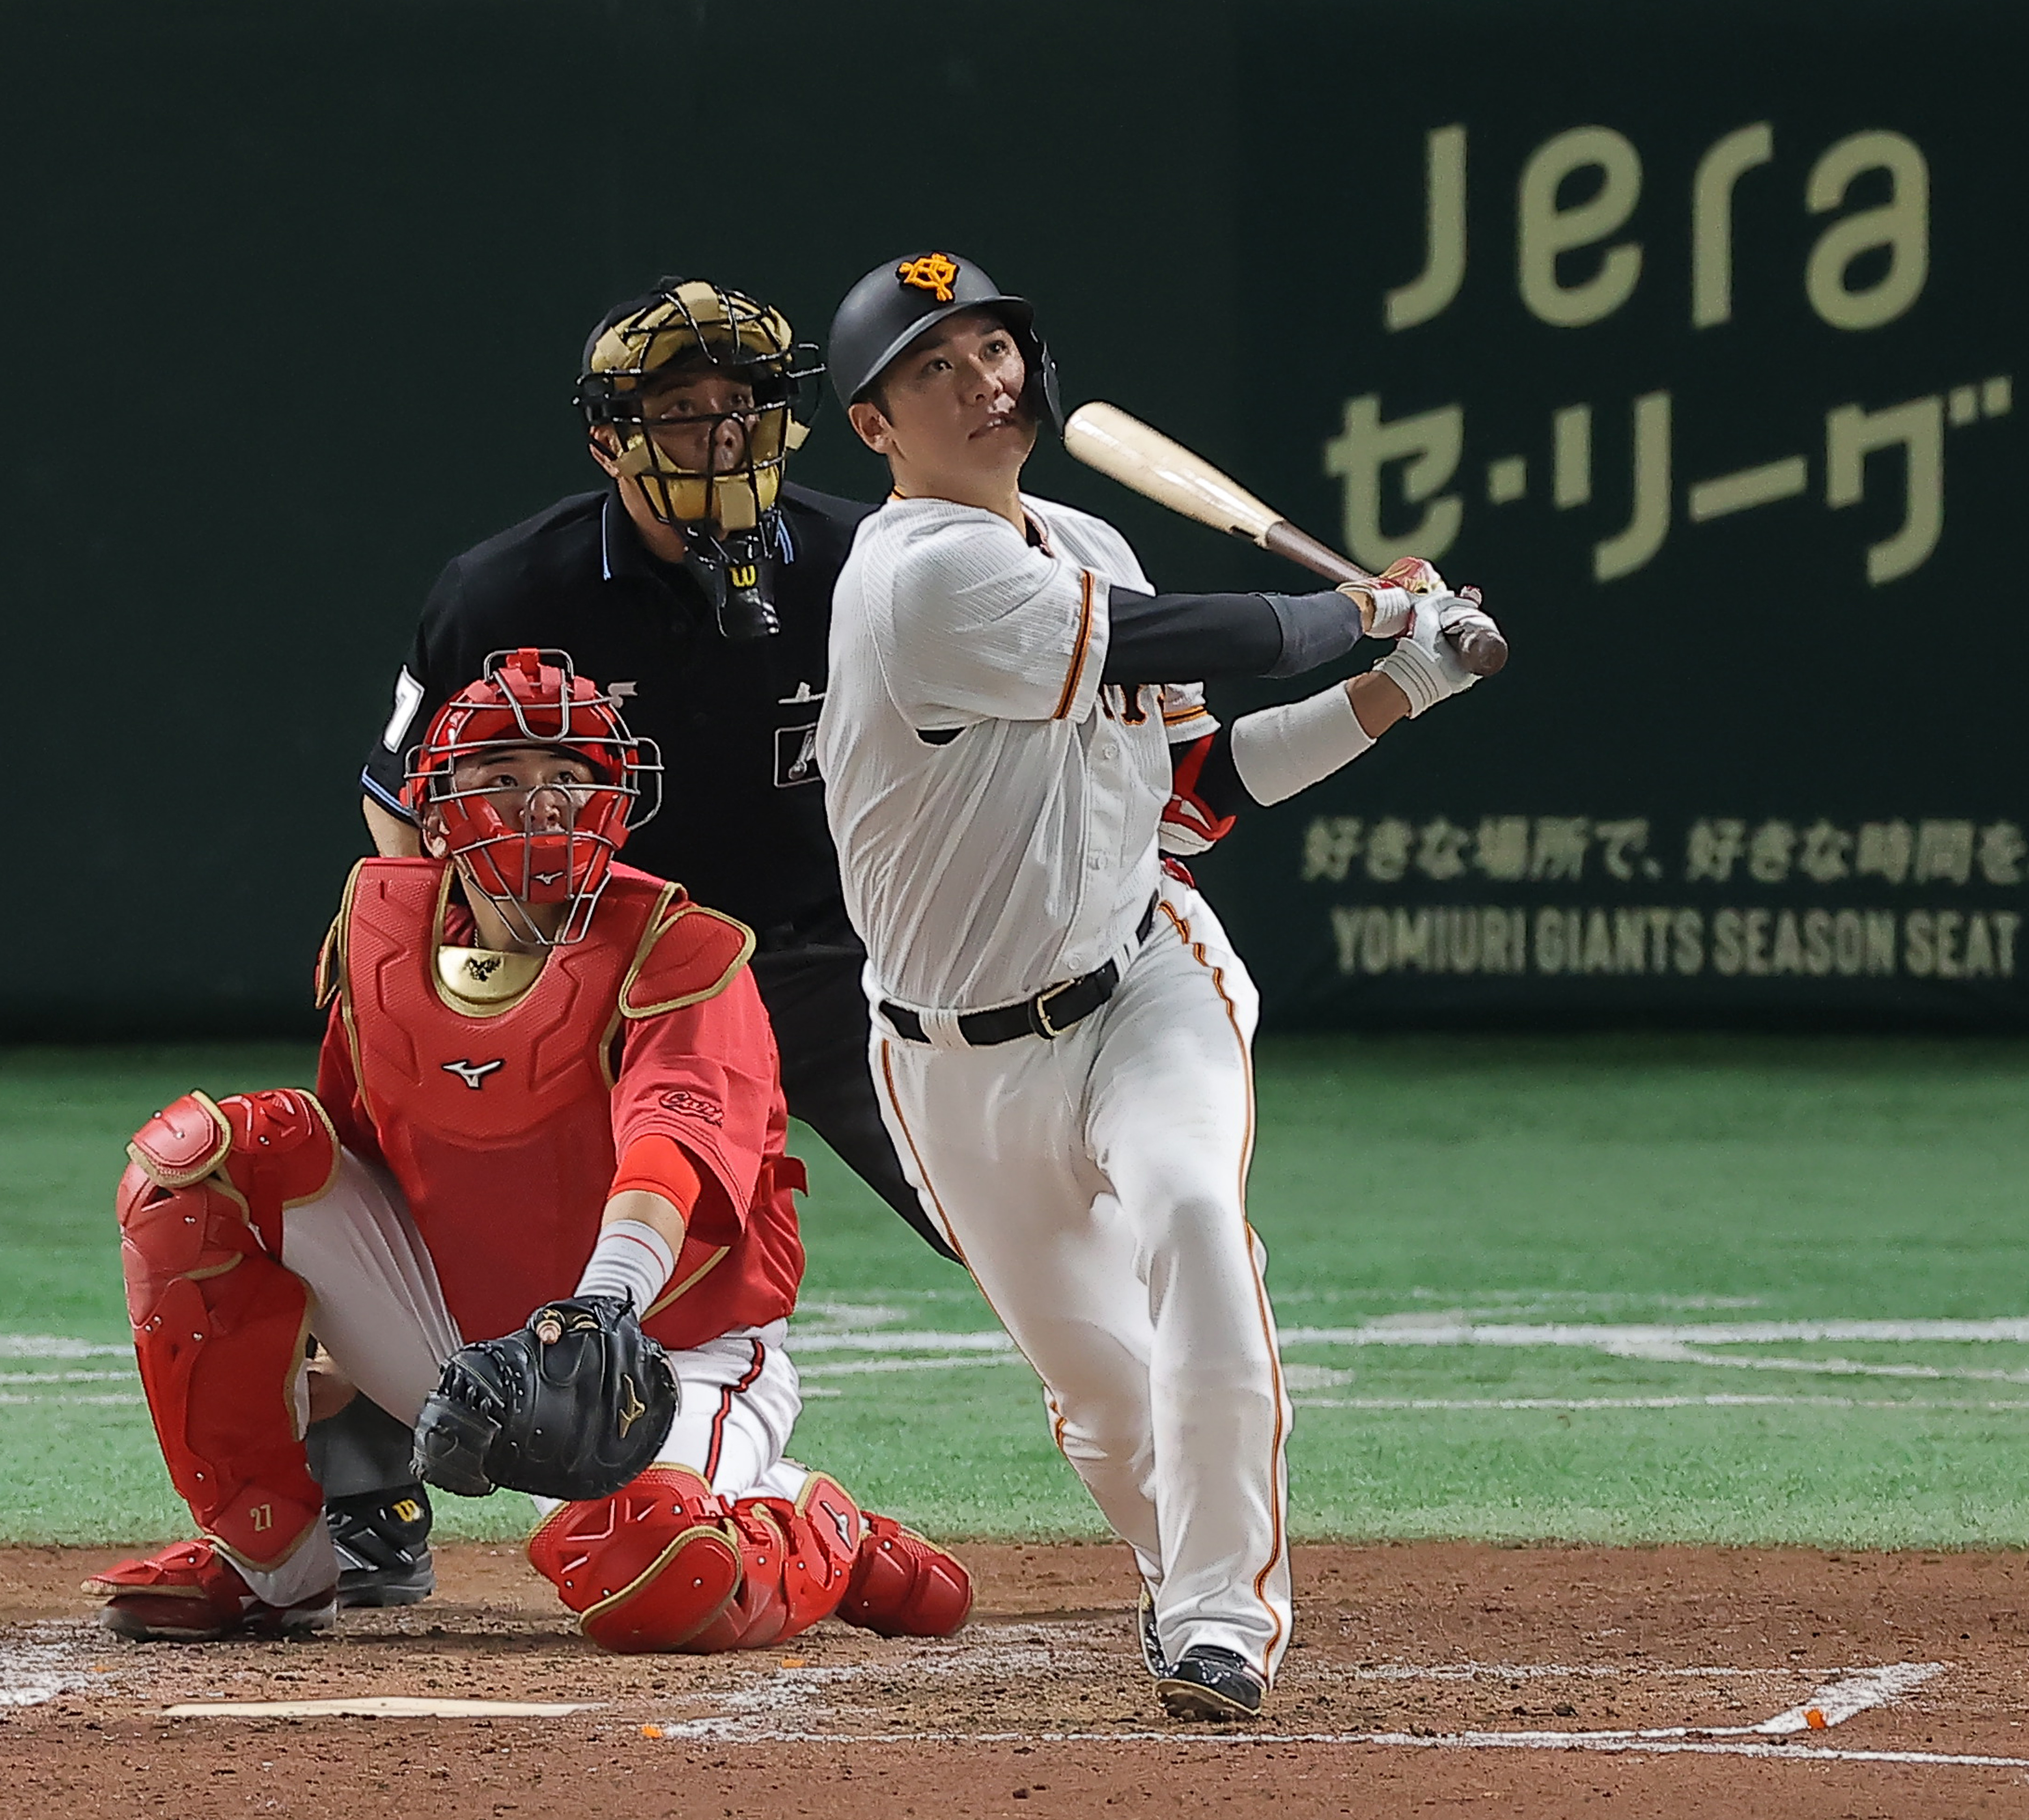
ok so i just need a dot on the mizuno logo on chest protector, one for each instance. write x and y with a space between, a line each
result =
473 1074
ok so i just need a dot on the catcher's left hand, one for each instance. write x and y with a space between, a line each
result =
573 1406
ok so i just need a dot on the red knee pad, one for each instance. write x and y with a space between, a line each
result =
650 1568
903 1585
219 1324
664 1564
275 1149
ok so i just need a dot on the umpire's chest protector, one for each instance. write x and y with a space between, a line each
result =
495 1119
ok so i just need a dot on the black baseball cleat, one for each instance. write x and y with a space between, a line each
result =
382 1539
1151 1640
1210 1683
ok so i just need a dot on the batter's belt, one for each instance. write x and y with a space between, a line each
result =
1048 1015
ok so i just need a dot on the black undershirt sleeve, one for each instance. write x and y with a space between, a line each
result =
1220 788
1199 637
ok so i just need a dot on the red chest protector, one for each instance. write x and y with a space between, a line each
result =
497 1125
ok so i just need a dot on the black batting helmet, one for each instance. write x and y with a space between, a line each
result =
900 299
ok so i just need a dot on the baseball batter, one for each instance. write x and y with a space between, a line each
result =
1061 1031
545 1074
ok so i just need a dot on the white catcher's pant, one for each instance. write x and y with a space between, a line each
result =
376 1307
1095 1186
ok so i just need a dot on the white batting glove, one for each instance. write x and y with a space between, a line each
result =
1393 594
1463 611
1423 665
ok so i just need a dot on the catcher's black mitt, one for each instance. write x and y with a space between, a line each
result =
572 1407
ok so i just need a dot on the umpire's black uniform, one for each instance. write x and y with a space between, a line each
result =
742 825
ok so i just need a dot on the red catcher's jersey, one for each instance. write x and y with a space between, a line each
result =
501 1127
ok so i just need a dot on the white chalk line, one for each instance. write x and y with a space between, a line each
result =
1709 1402
1686 1343
379 1706
1442 1740
66 1377
60 1345
935 1362
767 1711
1630 1340
47 1660
1444 1329
124 1399
1843 1697
905 1349
1526 1671
121 1401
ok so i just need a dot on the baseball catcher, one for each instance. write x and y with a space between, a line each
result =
540 1205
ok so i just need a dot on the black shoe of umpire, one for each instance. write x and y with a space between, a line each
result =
1210 1683
382 1539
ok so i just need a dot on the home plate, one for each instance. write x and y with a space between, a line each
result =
377 1706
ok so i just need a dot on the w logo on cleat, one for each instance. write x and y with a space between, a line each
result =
473 1074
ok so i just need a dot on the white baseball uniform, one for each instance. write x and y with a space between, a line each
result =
994 809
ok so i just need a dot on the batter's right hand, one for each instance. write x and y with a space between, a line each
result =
1423 665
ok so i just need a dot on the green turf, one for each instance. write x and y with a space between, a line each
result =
1678 1181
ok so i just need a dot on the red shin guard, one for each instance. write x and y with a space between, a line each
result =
218 1324
646 1569
904 1585
664 1564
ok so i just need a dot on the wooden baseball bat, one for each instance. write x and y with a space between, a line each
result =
1105 436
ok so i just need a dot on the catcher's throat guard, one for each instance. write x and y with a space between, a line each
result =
729 509
574 1406
531 698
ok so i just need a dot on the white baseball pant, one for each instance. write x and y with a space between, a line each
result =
1095 1186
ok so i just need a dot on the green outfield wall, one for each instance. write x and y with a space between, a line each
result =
1693 334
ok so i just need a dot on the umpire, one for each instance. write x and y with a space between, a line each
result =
697 585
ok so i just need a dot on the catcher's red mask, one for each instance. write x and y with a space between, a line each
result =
529 698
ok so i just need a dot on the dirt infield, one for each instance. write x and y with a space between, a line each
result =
1433 1677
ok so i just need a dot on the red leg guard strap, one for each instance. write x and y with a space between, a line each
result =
796 1557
